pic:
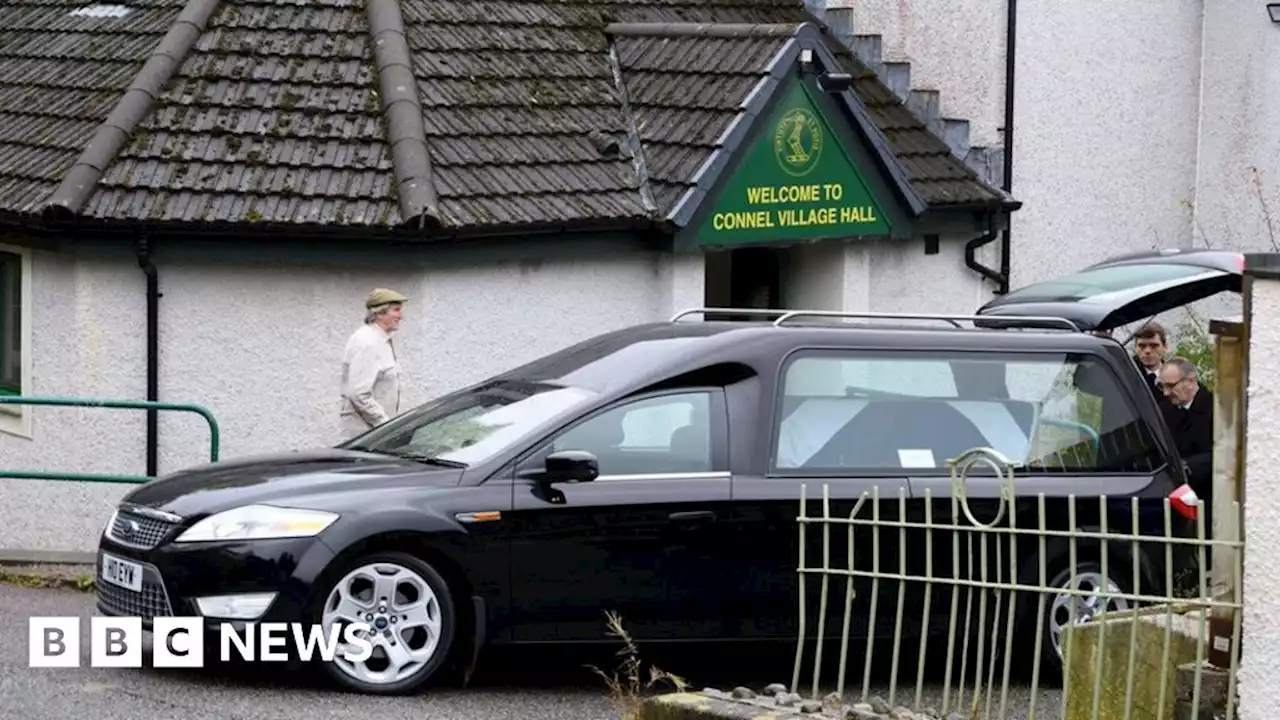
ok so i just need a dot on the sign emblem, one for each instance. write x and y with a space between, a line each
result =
797 142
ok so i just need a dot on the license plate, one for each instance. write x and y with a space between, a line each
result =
122 573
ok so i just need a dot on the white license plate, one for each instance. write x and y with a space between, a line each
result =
122 573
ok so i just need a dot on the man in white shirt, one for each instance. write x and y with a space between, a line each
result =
370 370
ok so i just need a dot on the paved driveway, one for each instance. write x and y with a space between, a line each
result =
525 684
514 686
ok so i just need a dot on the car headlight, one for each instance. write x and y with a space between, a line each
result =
259 522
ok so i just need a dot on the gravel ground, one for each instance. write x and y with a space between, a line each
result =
523 684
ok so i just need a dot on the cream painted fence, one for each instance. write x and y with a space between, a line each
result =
1140 646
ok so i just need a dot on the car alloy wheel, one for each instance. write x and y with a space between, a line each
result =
1088 579
407 605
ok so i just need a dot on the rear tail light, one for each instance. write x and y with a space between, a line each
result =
1185 501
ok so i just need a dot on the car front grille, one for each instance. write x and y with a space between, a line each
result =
137 530
152 602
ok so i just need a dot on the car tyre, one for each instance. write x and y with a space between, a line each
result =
410 607
1057 610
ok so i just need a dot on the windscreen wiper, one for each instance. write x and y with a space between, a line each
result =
422 457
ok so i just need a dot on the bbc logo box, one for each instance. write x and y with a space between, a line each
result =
115 642
179 642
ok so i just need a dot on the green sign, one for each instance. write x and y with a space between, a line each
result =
796 182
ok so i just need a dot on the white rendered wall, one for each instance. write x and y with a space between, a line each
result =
259 343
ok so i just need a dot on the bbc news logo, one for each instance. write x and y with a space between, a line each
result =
179 642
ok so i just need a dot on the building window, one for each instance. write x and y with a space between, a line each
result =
15 338
11 311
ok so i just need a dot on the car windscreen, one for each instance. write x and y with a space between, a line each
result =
473 425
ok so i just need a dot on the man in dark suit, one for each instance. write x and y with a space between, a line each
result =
1151 343
1190 417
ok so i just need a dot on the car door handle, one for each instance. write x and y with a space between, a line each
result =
692 516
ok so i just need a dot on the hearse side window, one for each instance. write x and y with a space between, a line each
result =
668 434
1049 412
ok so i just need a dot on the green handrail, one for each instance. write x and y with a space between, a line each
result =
1094 440
214 435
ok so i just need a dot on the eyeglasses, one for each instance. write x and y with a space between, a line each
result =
1172 385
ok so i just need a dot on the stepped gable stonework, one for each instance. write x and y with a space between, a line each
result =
442 117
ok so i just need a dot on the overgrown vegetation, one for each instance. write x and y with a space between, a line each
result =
629 682
83 582
1196 345
1193 339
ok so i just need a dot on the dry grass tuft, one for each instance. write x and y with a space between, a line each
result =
628 684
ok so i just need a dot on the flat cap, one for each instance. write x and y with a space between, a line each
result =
383 296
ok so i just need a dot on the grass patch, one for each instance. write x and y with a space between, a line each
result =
629 682
84 582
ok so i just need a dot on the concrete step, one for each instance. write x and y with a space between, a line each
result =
926 105
988 163
897 76
956 132
868 48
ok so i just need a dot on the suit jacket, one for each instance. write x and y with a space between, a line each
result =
1153 384
1193 432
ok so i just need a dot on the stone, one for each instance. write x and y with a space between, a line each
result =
879 706
718 694
956 716
789 699
1107 654
901 713
861 711
1214 686
774 689
833 700
811 706
743 693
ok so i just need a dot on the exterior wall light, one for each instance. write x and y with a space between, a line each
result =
1273 9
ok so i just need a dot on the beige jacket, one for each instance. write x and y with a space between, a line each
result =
370 381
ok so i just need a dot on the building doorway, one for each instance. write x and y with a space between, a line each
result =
745 278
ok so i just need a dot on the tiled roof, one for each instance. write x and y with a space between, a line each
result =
61 74
382 113
517 99
685 90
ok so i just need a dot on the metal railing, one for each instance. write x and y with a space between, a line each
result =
1155 667
214 434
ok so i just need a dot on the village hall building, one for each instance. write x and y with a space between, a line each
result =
197 195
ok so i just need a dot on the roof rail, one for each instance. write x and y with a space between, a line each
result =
783 316
952 319
727 311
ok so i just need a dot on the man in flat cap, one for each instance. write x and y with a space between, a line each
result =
370 370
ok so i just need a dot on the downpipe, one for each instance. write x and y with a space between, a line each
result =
153 351
1001 277
1010 65
971 261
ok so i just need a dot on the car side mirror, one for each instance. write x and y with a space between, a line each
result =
570 466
